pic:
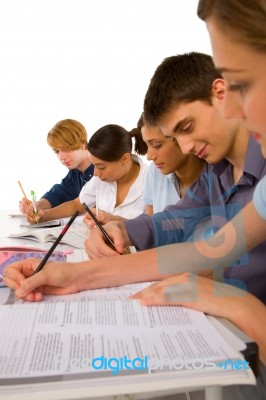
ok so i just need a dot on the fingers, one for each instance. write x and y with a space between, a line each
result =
96 246
176 290
35 218
24 205
33 283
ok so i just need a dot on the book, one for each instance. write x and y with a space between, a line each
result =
9 255
75 236
51 223
46 224
86 342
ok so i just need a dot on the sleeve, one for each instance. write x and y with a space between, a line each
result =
61 192
259 198
148 187
88 192
176 223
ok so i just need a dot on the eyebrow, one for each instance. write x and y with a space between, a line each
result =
98 164
224 69
180 123
150 141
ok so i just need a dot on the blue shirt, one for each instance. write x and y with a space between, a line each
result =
70 186
215 197
259 198
160 190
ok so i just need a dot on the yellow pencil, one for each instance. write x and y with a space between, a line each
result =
24 194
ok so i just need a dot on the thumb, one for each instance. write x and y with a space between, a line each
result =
30 284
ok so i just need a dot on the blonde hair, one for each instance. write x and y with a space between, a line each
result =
67 134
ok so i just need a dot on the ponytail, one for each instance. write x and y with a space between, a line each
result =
140 147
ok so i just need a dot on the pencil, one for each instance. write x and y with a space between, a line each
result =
24 194
64 230
100 226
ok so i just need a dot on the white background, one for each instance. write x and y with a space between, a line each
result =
90 60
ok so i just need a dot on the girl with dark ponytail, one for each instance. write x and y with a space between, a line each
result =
117 185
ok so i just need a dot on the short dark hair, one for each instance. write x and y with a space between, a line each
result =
111 142
182 78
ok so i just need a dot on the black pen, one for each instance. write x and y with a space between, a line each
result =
64 230
100 226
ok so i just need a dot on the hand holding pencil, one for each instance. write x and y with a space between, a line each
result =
103 217
24 203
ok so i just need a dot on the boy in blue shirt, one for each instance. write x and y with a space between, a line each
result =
68 139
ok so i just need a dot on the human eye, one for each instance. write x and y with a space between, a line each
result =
55 151
187 127
156 146
237 87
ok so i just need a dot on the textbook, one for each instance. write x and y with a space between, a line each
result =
98 342
9 255
51 223
75 236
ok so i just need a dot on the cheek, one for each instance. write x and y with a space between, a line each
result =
255 114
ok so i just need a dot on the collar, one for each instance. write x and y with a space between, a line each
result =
250 167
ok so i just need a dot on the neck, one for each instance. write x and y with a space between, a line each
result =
238 150
189 173
131 175
85 163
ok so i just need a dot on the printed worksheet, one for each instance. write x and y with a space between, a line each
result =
60 338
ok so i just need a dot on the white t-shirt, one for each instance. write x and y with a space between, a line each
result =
133 204
160 190
259 197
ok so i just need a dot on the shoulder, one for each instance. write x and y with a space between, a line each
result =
259 198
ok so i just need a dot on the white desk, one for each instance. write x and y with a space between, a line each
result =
119 388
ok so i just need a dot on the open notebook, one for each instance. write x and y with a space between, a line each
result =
75 236
52 223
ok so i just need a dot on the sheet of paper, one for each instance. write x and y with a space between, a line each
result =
58 338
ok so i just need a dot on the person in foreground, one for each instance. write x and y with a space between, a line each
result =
68 139
117 185
238 36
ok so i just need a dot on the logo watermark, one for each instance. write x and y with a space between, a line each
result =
116 365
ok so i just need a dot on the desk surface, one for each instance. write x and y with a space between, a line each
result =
147 386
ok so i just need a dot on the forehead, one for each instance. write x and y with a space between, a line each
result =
151 133
96 160
229 54
183 112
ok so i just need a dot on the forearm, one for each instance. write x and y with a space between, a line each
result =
43 204
64 210
250 316
120 270
140 231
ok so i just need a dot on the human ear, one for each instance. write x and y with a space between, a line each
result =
218 89
125 159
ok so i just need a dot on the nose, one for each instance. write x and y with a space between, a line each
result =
232 105
96 171
61 155
186 144
151 154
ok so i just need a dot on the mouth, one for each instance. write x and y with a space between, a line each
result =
202 153
256 136
159 166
